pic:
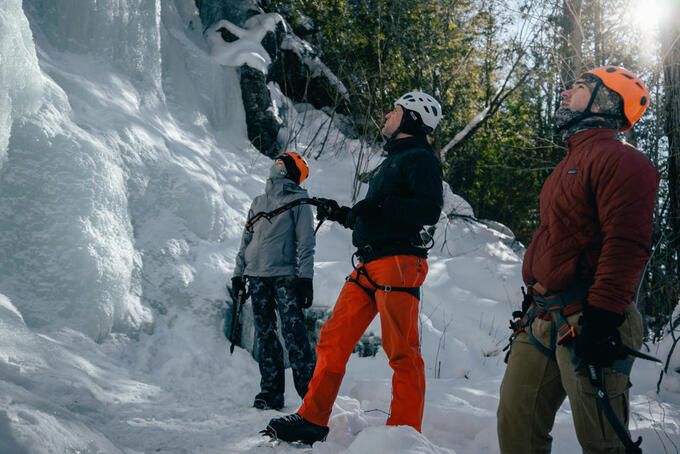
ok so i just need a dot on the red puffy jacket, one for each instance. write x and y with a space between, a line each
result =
596 220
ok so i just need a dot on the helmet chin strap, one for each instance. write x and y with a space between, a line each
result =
399 128
586 112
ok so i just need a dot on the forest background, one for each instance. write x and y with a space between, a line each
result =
498 67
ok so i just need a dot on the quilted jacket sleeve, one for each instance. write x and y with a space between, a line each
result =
625 187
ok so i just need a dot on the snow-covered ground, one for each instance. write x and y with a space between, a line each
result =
125 177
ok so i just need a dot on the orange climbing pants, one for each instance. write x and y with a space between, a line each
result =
353 312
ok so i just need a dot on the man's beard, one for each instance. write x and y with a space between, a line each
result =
566 121
564 115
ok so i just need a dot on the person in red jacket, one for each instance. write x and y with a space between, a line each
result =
578 326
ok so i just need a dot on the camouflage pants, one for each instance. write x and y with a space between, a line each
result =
269 295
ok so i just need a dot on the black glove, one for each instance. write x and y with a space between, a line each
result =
334 212
305 292
237 285
599 343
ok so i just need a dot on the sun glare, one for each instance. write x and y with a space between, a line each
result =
646 14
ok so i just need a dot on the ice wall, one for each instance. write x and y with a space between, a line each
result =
115 175
20 78
122 32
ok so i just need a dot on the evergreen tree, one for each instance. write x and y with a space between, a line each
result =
498 67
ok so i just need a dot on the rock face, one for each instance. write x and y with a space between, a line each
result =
293 65
263 124
300 73
235 11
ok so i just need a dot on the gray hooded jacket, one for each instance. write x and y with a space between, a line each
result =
286 245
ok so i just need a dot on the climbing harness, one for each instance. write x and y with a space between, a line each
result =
427 236
361 254
268 215
561 333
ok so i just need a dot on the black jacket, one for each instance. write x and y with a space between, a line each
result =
408 188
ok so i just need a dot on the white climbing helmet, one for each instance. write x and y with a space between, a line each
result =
428 108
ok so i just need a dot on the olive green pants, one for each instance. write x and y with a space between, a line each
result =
534 387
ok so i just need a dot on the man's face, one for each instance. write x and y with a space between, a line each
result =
392 121
577 97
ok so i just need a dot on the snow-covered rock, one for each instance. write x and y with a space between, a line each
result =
266 50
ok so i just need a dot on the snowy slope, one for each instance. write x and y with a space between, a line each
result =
125 177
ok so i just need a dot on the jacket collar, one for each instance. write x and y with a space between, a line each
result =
281 185
590 135
407 143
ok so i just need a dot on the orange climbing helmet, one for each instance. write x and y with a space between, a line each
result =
296 166
633 92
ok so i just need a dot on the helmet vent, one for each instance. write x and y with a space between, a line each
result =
426 109
643 101
611 69
628 76
434 110
638 84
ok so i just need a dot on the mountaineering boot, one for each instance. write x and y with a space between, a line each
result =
295 428
268 401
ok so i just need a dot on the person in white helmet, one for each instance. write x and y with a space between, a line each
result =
404 194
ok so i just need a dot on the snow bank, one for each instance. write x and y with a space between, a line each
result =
397 440
50 384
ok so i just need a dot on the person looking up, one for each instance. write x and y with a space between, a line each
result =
581 268
404 194
276 260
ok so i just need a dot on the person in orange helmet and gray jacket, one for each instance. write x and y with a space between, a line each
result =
276 260
579 331
404 194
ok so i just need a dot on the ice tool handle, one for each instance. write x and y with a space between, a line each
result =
238 300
